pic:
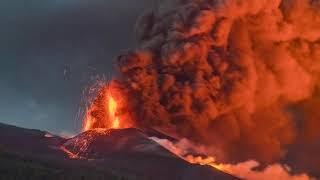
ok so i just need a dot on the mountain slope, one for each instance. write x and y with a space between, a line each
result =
95 154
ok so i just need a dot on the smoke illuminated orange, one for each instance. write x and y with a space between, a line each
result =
243 170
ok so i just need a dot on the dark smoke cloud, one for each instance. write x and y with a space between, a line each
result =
238 76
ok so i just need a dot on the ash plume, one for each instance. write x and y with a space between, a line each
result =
238 76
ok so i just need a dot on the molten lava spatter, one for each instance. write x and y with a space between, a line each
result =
104 111
112 108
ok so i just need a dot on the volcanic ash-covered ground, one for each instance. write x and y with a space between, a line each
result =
94 154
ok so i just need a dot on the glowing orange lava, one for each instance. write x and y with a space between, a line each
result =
104 111
210 161
87 124
112 109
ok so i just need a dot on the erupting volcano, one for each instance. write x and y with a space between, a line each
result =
213 89
238 78
105 110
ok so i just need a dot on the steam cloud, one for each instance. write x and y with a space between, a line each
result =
244 170
238 76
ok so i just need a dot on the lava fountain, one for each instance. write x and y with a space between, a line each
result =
234 76
106 110
112 108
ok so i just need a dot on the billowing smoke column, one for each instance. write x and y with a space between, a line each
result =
239 76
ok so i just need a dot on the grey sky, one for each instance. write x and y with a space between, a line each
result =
38 39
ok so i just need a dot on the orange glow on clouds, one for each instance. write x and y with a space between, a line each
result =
244 170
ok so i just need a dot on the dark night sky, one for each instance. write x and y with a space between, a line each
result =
38 39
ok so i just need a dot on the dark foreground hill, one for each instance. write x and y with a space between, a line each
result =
92 155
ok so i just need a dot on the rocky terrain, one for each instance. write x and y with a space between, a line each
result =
95 154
